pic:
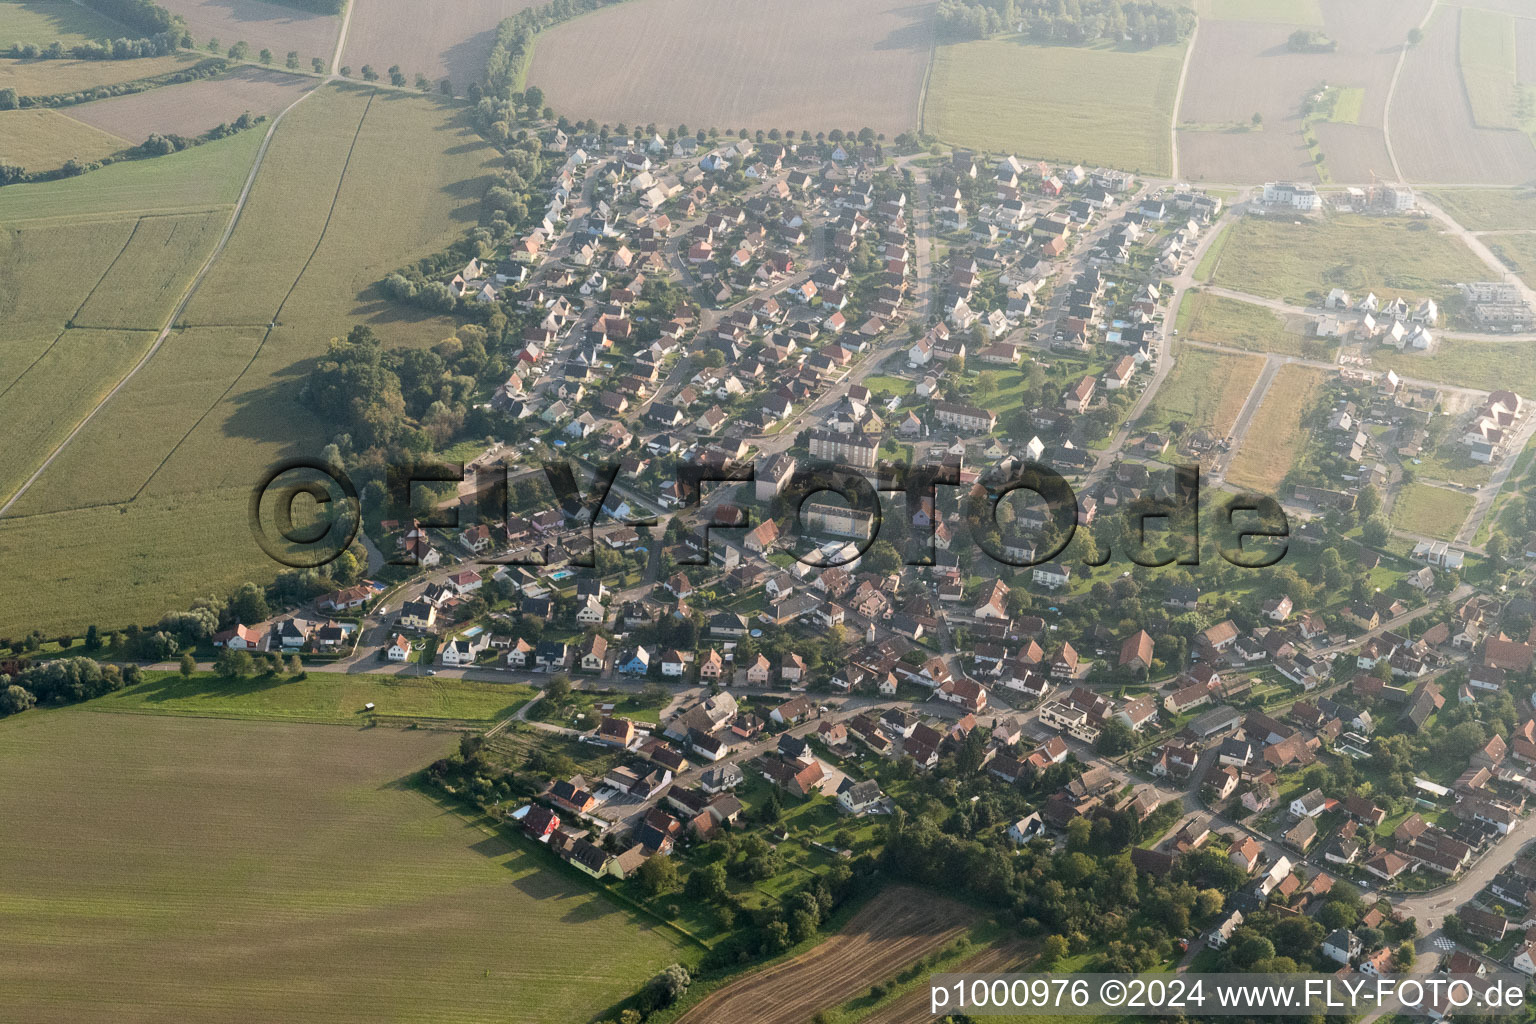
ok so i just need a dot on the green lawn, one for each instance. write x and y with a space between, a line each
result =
1488 67
1208 263
1089 105
47 21
1489 209
1431 511
231 871
1206 389
322 697
1347 101
1301 260
1218 320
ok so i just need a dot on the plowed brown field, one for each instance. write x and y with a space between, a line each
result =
912 1008
896 928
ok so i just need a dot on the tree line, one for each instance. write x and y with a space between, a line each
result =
1076 22
62 681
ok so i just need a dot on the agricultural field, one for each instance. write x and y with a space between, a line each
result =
194 107
1489 209
310 245
452 44
273 26
737 64
1206 390
309 880
1486 365
1518 251
1487 50
896 927
1434 132
1277 433
913 1007
1430 511
1218 320
47 21
203 177
52 77
1300 261
44 140
1241 66
146 280
1089 105
322 697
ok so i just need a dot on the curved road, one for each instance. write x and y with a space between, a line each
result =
191 290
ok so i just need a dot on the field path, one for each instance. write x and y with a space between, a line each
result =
197 279
1178 101
893 930
1397 73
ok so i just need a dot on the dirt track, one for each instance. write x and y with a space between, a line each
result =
897 927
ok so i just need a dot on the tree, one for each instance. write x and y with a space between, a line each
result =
265 56
707 883
92 638
240 51
248 604
234 664
423 83
658 874
295 666
188 665
668 987
9 100
292 60
1053 950
396 76
370 75
318 64
1258 119
559 690
1415 36
1367 503
1375 532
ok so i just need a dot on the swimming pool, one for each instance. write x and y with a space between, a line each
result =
561 574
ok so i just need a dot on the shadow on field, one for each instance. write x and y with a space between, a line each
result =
180 688
917 34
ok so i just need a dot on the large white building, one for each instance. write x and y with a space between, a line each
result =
1295 195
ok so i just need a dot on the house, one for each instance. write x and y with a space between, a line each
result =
1246 853
1029 827
1222 933
464 650
592 655
1309 805
1052 575
399 649
1136 651
859 797
1341 946
1302 834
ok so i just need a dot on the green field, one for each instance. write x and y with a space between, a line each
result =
145 282
201 178
1300 261
1347 101
44 140
1489 209
1289 12
1431 511
272 871
51 77
322 697
1218 320
1089 105
220 400
1518 251
47 21
1208 263
1205 390
1486 365
1488 67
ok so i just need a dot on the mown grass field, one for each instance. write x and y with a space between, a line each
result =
1276 435
188 437
1486 365
51 77
1092 105
322 697
200 178
1218 320
1206 389
1489 209
44 140
234 871
1487 52
46 21
1301 260
1431 511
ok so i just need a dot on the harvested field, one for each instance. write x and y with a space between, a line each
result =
194 107
452 43
322 697
1240 68
306 880
1206 390
44 140
47 21
200 178
1090 105
897 927
52 77
1518 251
1433 129
1301 261
1486 209
1429 511
1287 12
913 1008
272 26
1277 435
1230 323
1525 51
738 64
